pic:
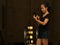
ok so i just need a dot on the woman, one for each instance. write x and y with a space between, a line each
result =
43 22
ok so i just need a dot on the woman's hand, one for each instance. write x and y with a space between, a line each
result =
35 17
38 17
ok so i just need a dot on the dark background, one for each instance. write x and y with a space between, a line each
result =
16 14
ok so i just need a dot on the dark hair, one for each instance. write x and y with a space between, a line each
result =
48 5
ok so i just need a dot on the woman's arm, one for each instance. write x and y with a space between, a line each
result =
44 22
41 22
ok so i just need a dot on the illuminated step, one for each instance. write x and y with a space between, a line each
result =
30 27
30 44
30 32
31 37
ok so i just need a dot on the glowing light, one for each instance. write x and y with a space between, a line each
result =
30 32
31 44
30 27
31 36
31 41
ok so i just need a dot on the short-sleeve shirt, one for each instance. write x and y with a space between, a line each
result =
45 27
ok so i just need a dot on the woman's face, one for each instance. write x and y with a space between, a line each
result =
43 8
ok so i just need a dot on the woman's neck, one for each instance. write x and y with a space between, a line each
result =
45 14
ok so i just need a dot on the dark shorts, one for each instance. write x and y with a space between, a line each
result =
43 34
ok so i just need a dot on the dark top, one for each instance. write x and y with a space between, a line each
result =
45 27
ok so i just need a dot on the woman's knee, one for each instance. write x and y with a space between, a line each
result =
38 42
45 41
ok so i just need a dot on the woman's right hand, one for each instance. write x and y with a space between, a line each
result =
34 16
38 17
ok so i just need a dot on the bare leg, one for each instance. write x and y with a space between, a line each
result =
45 41
38 42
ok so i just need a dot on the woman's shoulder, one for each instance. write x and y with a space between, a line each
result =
47 16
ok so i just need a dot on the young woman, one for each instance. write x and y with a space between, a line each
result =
43 22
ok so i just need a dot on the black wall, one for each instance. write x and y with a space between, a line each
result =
15 16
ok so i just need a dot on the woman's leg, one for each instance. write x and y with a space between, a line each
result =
38 42
45 41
